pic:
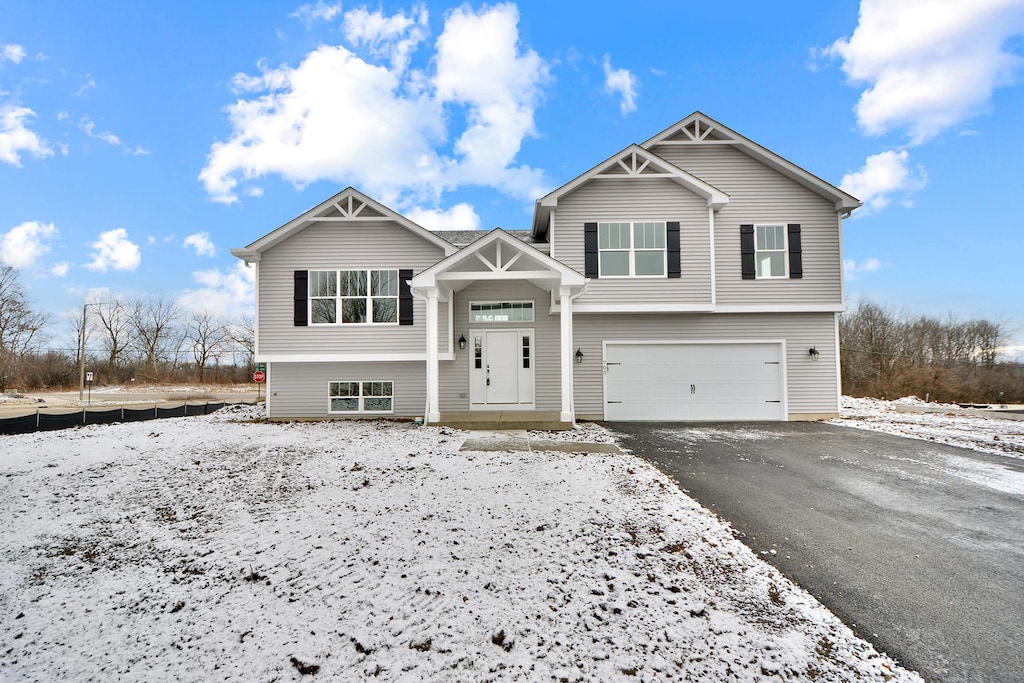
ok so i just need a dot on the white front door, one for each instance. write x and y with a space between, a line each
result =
501 369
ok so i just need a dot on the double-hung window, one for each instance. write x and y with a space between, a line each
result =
361 397
770 250
631 249
353 296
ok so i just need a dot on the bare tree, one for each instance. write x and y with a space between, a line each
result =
154 319
206 335
114 323
20 327
243 333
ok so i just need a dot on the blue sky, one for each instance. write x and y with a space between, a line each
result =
139 142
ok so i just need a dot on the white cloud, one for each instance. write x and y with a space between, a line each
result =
393 38
929 64
15 137
60 269
621 82
89 84
882 176
106 136
479 65
293 130
200 241
228 293
12 53
310 13
114 250
23 244
393 140
462 216
852 269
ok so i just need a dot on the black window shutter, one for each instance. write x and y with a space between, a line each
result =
301 295
404 297
590 249
796 259
747 252
672 249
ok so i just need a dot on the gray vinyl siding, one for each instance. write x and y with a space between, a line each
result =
636 200
811 383
759 194
300 389
370 244
454 375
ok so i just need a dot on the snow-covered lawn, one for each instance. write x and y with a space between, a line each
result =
987 435
219 548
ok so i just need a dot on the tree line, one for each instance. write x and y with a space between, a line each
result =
890 354
885 353
149 338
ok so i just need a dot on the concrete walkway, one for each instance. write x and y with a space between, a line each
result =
520 440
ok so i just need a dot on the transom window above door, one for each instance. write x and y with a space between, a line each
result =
353 297
632 249
501 312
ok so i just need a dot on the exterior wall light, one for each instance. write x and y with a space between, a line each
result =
578 356
462 343
813 353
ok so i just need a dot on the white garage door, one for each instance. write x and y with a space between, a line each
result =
651 381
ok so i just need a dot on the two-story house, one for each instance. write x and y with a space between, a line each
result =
695 276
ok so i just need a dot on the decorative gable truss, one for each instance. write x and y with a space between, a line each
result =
634 162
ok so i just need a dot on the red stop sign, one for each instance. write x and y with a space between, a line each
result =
259 377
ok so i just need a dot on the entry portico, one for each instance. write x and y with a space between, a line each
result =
500 258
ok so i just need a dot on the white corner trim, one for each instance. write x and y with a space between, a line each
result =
638 308
714 266
348 357
782 308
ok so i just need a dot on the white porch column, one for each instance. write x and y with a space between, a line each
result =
565 301
433 390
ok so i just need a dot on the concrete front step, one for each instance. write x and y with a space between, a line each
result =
476 420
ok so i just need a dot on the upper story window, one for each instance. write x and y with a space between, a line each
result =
770 251
353 296
631 249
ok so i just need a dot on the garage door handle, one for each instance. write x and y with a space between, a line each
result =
614 401
771 362
693 388
773 401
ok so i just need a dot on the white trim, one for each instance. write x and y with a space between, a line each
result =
842 263
632 251
349 357
256 312
839 368
784 250
266 403
360 397
551 235
782 308
463 276
521 332
639 308
843 201
783 365
711 251
567 359
470 304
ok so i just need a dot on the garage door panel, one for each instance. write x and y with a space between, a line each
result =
651 381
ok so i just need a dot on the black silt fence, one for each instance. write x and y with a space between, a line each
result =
24 424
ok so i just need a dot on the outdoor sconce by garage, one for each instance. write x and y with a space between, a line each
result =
462 343
813 353
578 356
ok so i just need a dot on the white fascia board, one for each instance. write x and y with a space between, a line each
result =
348 357
638 308
302 221
844 201
246 255
782 308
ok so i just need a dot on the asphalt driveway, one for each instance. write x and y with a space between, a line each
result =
918 547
